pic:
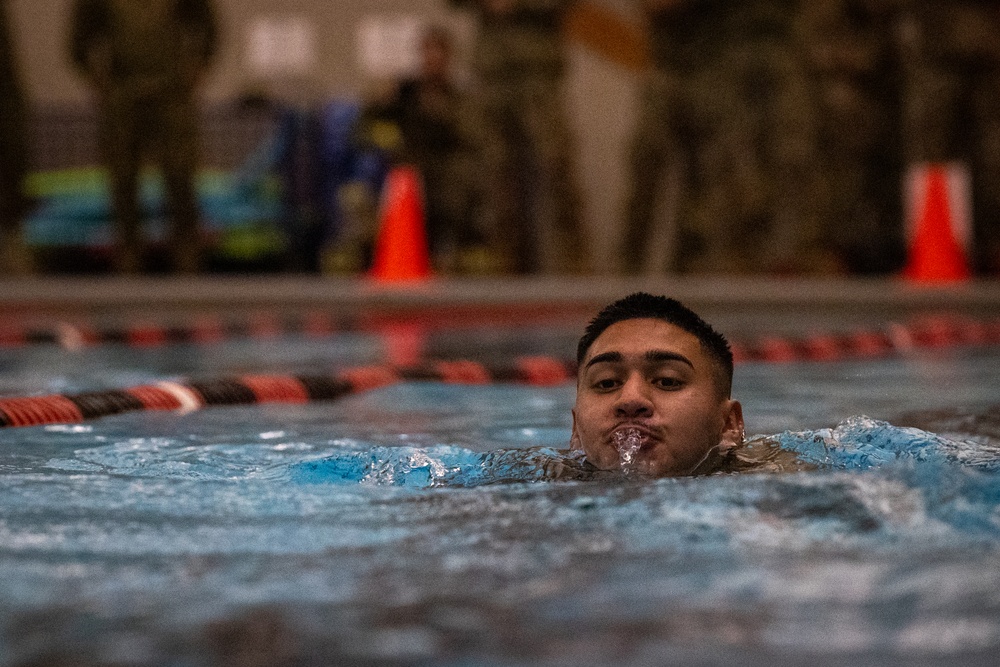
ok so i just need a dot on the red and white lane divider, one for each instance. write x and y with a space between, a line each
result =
928 333
208 329
258 389
924 333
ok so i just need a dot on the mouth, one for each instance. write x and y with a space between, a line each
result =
635 433
629 440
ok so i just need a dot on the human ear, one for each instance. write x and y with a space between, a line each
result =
733 432
574 439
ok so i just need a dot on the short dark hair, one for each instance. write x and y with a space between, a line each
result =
641 305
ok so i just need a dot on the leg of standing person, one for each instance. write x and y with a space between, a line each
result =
795 242
653 146
179 164
15 258
559 242
439 238
446 197
986 169
934 108
728 196
121 138
498 208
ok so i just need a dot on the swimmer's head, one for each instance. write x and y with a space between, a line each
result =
653 389
647 306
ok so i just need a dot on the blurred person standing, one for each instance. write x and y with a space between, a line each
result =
418 121
852 51
528 199
727 105
144 59
953 104
15 258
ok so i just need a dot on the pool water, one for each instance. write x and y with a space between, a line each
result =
409 525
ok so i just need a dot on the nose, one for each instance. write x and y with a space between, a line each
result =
633 401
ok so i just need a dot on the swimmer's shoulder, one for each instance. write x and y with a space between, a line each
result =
763 454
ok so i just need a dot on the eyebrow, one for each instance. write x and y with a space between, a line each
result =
655 356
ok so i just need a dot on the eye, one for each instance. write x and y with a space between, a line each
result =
668 383
605 384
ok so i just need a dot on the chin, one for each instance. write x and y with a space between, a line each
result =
657 469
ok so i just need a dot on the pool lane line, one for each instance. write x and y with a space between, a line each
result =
928 333
208 329
932 331
190 395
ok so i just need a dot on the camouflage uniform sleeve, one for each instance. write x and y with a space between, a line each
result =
89 23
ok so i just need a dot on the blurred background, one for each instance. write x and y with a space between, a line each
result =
776 137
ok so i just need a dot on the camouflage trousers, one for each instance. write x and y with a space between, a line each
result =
14 254
445 178
861 165
740 133
528 202
135 126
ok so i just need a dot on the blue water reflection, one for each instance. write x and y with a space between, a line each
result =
420 524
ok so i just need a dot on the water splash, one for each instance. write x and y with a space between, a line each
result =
442 466
860 443
627 442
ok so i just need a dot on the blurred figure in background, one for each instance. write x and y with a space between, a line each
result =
953 104
729 106
15 258
144 61
418 121
529 203
852 52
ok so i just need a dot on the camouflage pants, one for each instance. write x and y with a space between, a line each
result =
137 125
446 193
12 199
741 132
528 201
15 256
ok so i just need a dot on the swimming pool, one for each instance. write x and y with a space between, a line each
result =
365 530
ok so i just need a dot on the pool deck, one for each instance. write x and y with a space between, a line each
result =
734 299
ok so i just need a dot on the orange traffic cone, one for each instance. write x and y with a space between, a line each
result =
401 252
938 232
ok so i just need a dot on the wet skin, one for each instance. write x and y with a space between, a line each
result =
651 376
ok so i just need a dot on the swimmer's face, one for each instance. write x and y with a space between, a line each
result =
654 381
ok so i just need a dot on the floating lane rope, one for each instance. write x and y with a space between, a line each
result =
209 329
258 389
928 333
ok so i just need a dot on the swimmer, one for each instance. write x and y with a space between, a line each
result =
653 391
